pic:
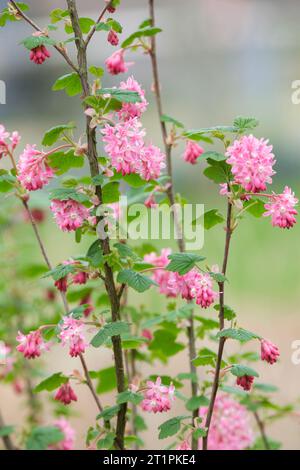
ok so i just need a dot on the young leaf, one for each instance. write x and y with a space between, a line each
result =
51 383
109 413
195 402
53 134
206 357
109 330
169 119
200 432
216 156
95 254
145 32
137 281
60 271
124 96
182 263
35 41
229 313
212 218
245 124
129 396
239 370
64 194
96 71
171 427
70 83
237 333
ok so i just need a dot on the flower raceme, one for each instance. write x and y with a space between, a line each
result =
281 209
65 394
132 110
246 382
115 64
112 38
68 441
252 163
192 152
31 345
157 397
230 426
33 171
69 214
8 141
71 333
269 352
39 54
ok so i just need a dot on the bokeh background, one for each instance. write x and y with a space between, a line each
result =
218 59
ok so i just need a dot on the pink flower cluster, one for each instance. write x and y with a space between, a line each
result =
128 152
31 345
112 38
252 163
132 110
230 426
69 214
192 285
71 333
281 209
269 352
192 152
8 141
116 64
39 54
33 171
157 397
65 394
79 277
246 382
68 441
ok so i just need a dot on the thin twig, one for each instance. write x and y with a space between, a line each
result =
171 197
6 439
261 427
59 49
93 30
215 385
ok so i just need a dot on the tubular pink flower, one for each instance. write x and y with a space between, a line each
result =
6 360
281 209
31 345
192 152
39 54
68 442
151 162
62 284
69 214
269 352
34 173
252 163
161 276
157 397
184 445
132 110
65 394
230 426
245 382
115 64
80 278
71 332
89 309
112 38
194 285
150 202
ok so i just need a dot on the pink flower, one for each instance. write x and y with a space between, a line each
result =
68 442
115 64
184 445
150 163
80 278
5 146
6 360
31 345
224 190
157 397
65 394
150 202
62 284
34 173
71 332
147 334
113 38
230 426
252 163
245 382
131 110
161 276
194 285
282 210
269 352
39 54
192 152
69 214
89 309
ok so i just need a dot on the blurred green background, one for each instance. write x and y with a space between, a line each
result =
218 59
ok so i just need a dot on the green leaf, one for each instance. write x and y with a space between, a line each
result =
63 162
107 442
109 330
7 181
197 134
114 25
41 437
110 192
51 383
58 14
255 207
218 171
129 396
84 23
196 402
102 26
60 271
125 251
124 96
95 254
146 32
206 357
145 23
214 156
173 316
244 124
188 376
218 277
267 388
96 71
169 119
239 370
212 218
182 263
164 342
134 180
109 413
137 281
31 42
64 194
53 134
6 430
200 432
106 379
229 313
171 427
70 83
237 333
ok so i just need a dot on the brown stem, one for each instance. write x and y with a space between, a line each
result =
94 170
6 439
171 197
92 31
90 383
215 385
59 49
261 427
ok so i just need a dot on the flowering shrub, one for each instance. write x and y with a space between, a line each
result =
229 409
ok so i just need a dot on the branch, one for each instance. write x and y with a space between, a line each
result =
171 197
93 30
8 444
261 427
59 49
94 171
221 326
